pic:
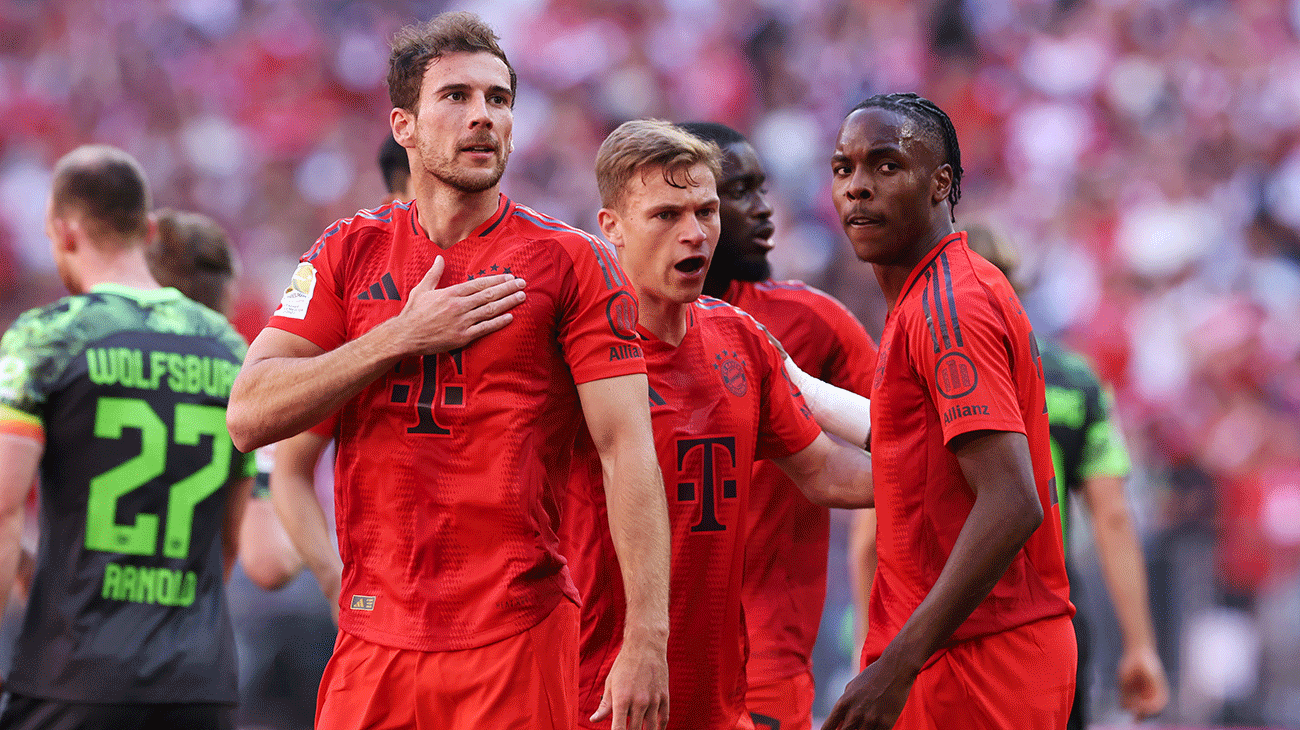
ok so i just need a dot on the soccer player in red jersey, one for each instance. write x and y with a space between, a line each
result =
970 611
719 400
457 420
789 536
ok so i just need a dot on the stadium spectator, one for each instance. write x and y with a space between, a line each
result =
117 394
786 550
970 588
720 401
452 449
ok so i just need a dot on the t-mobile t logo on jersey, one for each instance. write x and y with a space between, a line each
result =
707 491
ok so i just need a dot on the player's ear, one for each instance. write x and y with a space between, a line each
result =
62 235
610 227
151 234
941 184
402 122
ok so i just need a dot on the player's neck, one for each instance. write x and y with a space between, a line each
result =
665 319
448 215
126 268
893 276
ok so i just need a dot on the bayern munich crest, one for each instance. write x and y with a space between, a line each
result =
732 369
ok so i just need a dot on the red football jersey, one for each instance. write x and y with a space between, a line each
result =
718 401
957 355
448 467
785 560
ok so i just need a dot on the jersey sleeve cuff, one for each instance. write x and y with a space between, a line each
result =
19 423
294 327
972 425
629 367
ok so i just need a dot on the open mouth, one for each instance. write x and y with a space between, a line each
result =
479 148
691 265
859 221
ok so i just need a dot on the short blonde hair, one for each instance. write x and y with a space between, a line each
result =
644 144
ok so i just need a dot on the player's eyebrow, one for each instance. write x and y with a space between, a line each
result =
492 90
666 207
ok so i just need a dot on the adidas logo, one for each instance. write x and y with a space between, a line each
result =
381 290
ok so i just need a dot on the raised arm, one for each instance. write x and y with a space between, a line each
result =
997 466
618 416
1144 690
831 473
293 492
288 384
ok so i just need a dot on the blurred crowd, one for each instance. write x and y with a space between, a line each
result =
1144 155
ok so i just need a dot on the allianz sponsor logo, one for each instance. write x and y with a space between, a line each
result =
955 412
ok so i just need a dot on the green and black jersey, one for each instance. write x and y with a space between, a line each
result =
129 389
1085 443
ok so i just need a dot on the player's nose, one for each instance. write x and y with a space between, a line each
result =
859 185
695 231
478 113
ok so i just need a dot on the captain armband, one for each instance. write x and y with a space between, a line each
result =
840 412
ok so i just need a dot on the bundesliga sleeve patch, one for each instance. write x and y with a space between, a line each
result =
298 296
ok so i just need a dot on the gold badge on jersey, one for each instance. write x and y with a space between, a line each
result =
363 603
298 295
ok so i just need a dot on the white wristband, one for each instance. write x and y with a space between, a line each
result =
840 412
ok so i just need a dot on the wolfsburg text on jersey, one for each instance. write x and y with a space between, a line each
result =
134 368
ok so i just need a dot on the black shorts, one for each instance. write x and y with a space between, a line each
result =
21 712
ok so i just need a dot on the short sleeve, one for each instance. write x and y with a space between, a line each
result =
1104 454
959 346
786 425
598 317
31 358
312 306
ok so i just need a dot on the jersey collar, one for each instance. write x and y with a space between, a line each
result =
144 296
929 258
484 229
494 221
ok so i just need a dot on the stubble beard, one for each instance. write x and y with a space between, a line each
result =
467 180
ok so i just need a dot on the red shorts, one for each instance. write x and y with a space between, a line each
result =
527 681
785 704
1022 678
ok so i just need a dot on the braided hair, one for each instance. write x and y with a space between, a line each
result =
935 122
